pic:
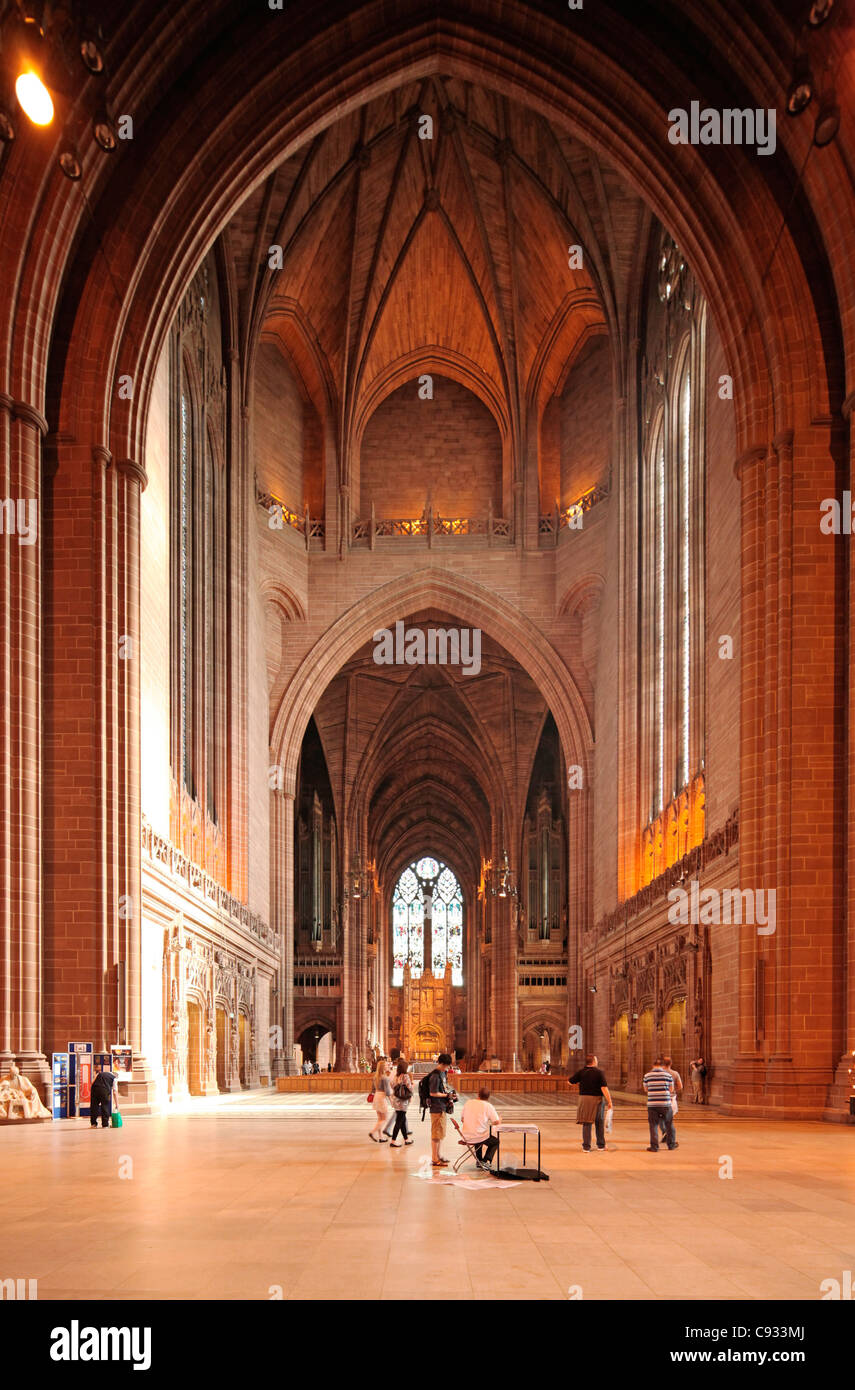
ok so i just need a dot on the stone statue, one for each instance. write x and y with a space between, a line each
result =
19 1099
212 1048
349 1057
235 1057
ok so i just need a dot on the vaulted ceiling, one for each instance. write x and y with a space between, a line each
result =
437 757
402 253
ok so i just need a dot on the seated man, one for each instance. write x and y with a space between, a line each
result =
475 1122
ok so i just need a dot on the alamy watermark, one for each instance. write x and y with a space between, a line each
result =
20 517
76 1343
711 907
438 646
731 126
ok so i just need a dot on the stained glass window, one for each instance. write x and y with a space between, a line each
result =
427 891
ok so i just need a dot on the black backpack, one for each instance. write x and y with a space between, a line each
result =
424 1090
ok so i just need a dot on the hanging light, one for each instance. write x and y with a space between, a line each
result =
827 125
34 97
360 878
70 164
91 53
800 93
32 93
504 886
819 12
104 131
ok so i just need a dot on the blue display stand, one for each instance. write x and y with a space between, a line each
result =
59 1086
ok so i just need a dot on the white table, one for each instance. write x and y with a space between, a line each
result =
524 1130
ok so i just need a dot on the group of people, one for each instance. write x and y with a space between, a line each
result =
391 1096
391 1101
392 1093
663 1085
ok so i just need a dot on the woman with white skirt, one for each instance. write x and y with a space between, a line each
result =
382 1101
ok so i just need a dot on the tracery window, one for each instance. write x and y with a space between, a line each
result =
427 921
195 619
671 560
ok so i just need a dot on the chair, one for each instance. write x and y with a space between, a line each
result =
469 1152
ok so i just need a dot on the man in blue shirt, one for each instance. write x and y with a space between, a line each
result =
659 1085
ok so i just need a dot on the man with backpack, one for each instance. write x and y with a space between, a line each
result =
436 1096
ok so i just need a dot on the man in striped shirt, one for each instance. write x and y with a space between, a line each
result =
659 1085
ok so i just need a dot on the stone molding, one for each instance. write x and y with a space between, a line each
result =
176 865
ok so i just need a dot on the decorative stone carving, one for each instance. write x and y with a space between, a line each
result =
19 1099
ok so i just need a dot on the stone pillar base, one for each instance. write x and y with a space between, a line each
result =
842 1091
283 1066
139 1096
777 1089
36 1068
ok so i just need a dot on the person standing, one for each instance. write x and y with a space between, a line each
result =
441 1098
105 1089
698 1072
678 1090
660 1088
402 1094
382 1097
594 1099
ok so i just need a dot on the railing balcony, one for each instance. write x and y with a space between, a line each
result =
553 523
311 528
431 526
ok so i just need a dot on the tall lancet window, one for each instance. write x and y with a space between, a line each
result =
427 902
195 619
671 568
684 488
186 472
660 634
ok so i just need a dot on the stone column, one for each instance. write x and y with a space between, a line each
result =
579 922
21 1004
125 547
749 471
504 983
282 916
791 745
844 1082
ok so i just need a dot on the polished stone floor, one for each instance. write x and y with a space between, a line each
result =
263 1196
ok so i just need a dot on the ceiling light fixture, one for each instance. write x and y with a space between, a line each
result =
70 164
90 52
827 125
819 12
800 93
34 98
105 133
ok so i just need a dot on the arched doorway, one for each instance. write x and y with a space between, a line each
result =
325 1054
674 1035
195 1061
317 1042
